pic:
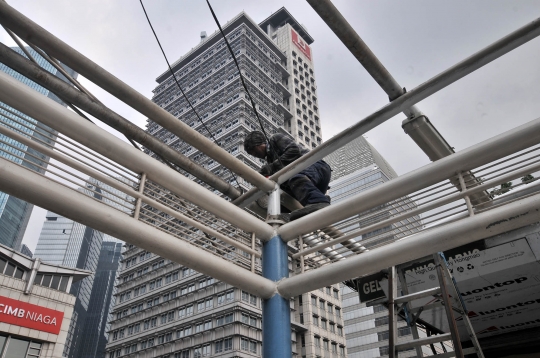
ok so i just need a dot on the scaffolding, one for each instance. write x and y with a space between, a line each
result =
170 215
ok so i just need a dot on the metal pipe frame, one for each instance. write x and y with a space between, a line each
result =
448 307
417 125
482 153
46 193
21 46
59 67
138 195
433 85
112 119
35 34
54 115
496 221
354 43
276 310
435 204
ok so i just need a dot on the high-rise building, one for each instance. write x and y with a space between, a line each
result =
25 250
358 166
300 105
65 242
15 213
96 329
164 309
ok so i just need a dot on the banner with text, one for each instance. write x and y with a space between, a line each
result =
31 316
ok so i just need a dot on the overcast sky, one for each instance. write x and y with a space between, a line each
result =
415 40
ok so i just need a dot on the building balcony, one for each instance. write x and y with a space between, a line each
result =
298 327
284 72
284 90
285 111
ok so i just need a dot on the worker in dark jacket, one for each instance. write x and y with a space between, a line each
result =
308 187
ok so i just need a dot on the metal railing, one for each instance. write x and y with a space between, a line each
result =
165 200
98 180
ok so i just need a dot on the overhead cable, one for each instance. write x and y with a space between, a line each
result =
180 87
242 80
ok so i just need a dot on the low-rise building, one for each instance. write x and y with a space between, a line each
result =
35 306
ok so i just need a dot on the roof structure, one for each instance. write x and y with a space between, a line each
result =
44 267
282 17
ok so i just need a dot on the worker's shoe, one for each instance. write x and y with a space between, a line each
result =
308 209
285 217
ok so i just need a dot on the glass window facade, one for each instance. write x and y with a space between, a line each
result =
15 347
15 213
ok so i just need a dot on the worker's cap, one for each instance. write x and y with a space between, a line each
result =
253 139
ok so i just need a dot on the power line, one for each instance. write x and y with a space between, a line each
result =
181 90
242 80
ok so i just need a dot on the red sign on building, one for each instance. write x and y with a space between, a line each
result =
30 316
302 46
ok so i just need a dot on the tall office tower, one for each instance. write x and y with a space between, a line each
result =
15 213
210 79
96 329
164 309
68 243
302 118
358 166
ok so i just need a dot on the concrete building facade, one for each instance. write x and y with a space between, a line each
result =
35 305
15 213
166 310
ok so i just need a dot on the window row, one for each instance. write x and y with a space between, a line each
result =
326 345
145 255
9 268
324 324
56 282
185 331
143 271
174 276
183 311
329 307
207 349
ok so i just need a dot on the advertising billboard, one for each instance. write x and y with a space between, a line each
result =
31 316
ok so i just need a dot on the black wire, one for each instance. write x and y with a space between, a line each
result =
242 80
180 87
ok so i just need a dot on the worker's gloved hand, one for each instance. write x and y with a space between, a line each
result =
266 170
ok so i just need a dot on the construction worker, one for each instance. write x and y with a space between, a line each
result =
308 187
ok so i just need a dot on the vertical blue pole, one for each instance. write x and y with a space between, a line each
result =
276 310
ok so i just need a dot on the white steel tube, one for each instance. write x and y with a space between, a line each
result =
359 49
496 221
139 195
54 115
482 153
114 120
426 89
466 197
422 209
142 183
46 193
35 34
